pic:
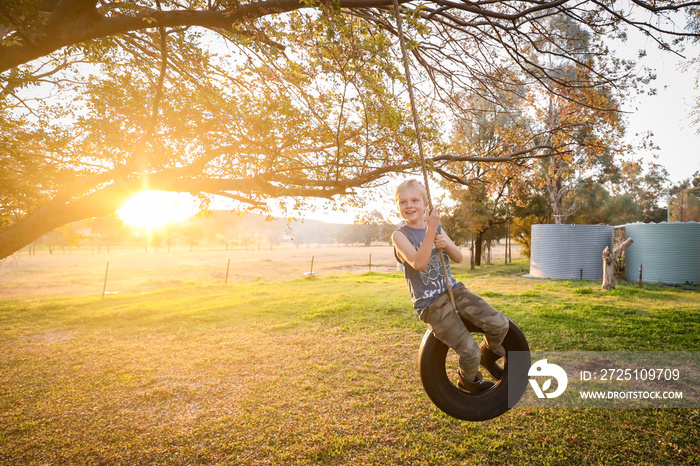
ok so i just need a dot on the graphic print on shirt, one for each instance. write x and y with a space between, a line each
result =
433 272
433 277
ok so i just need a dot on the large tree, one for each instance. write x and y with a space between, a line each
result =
252 100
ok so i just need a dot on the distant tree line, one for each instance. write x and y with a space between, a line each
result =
215 230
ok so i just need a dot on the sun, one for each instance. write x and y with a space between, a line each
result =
153 209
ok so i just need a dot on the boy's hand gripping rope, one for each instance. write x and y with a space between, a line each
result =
419 139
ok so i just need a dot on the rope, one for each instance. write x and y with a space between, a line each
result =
419 138
409 84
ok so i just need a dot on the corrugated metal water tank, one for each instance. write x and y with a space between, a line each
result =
668 252
569 251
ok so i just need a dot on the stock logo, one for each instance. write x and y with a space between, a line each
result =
543 369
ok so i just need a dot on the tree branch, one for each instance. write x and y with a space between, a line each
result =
511 157
77 21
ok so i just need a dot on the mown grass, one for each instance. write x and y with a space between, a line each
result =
314 371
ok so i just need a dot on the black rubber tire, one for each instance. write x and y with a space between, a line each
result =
471 406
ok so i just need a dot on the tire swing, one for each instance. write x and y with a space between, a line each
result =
443 392
433 354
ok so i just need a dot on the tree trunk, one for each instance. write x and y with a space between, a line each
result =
556 192
477 248
471 253
609 259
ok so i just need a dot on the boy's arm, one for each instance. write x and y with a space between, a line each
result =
442 241
418 259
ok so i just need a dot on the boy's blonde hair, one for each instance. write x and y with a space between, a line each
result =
411 184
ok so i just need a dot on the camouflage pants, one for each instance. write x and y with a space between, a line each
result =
449 328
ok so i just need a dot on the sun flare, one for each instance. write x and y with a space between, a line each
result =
153 209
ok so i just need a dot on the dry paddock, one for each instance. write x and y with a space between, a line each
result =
81 271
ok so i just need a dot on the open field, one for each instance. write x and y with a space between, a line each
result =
82 271
314 371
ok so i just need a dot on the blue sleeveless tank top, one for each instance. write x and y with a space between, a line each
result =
428 285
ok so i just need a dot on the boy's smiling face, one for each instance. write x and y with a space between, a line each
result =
412 207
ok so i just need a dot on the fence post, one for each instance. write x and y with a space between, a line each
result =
228 265
104 286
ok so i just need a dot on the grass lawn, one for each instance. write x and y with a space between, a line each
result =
315 371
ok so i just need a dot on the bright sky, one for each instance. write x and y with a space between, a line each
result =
154 209
668 114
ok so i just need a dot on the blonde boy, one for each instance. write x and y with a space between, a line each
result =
416 245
